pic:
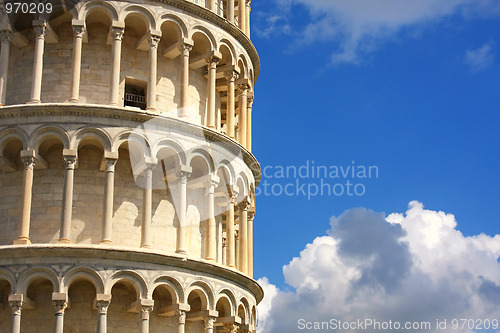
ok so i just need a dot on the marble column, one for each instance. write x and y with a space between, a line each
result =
230 11
210 232
209 324
242 15
185 48
70 157
212 5
231 77
249 124
242 119
78 32
181 321
28 157
16 304
147 205
247 17
153 41
212 76
40 28
60 303
230 233
117 35
102 302
243 255
183 174
110 159
250 215
5 39
146 309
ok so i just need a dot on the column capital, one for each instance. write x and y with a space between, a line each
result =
244 204
147 305
16 302
70 158
212 183
60 301
111 156
233 191
102 303
231 75
181 317
186 45
6 36
78 28
213 59
251 213
154 39
184 172
209 321
117 30
40 27
231 328
28 157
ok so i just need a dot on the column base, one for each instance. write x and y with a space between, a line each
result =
146 246
181 251
106 242
35 101
63 241
22 241
73 100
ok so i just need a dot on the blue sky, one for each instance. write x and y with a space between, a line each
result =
412 89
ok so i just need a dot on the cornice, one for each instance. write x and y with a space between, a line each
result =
9 254
59 110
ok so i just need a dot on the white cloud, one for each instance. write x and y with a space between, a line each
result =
480 58
358 27
404 267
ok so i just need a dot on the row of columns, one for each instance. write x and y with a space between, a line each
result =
30 157
117 31
244 10
19 302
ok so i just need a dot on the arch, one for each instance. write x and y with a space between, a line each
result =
82 273
93 133
172 284
226 178
173 145
205 155
243 65
131 136
208 34
136 280
91 6
226 293
143 12
44 132
35 273
253 317
243 304
7 276
12 134
176 20
225 43
243 183
203 289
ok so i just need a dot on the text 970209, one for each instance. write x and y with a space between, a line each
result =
27 7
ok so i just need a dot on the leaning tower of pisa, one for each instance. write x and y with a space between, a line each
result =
127 182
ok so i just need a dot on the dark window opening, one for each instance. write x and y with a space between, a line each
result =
135 94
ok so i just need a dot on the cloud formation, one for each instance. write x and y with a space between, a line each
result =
481 58
359 27
412 267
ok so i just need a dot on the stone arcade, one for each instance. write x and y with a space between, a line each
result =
106 228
